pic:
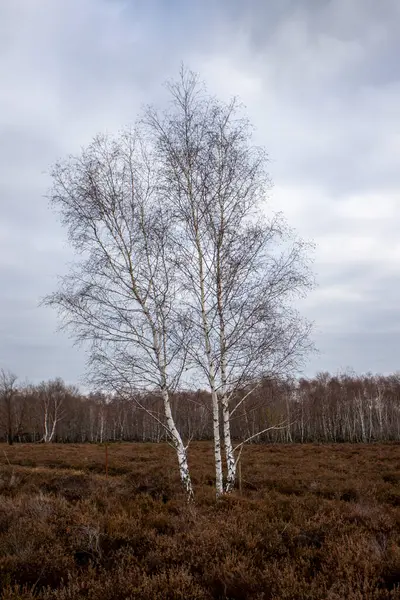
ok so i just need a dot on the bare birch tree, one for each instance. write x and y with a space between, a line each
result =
241 270
121 296
52 399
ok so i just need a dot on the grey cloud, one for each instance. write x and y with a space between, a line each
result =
362 352
322 85
332 71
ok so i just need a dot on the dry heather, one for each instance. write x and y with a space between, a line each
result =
312 522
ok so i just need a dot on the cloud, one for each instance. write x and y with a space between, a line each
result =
322 85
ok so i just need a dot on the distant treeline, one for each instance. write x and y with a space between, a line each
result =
343 408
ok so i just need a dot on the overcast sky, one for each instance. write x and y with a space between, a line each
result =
321 82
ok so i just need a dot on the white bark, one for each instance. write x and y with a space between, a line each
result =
230 457
379 409
360 407
226 423
180 448
46 421
219 483
52 406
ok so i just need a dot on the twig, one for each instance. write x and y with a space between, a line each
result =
244 398
282 425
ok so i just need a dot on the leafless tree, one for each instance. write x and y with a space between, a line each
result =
323 409
52 395
241 271
11 408
181 271
121 296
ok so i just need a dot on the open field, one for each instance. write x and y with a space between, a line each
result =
313 522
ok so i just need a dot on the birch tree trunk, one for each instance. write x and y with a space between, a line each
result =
219 483
229 454
181 450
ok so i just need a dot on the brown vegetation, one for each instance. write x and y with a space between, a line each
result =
312 522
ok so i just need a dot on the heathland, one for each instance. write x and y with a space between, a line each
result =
308 522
